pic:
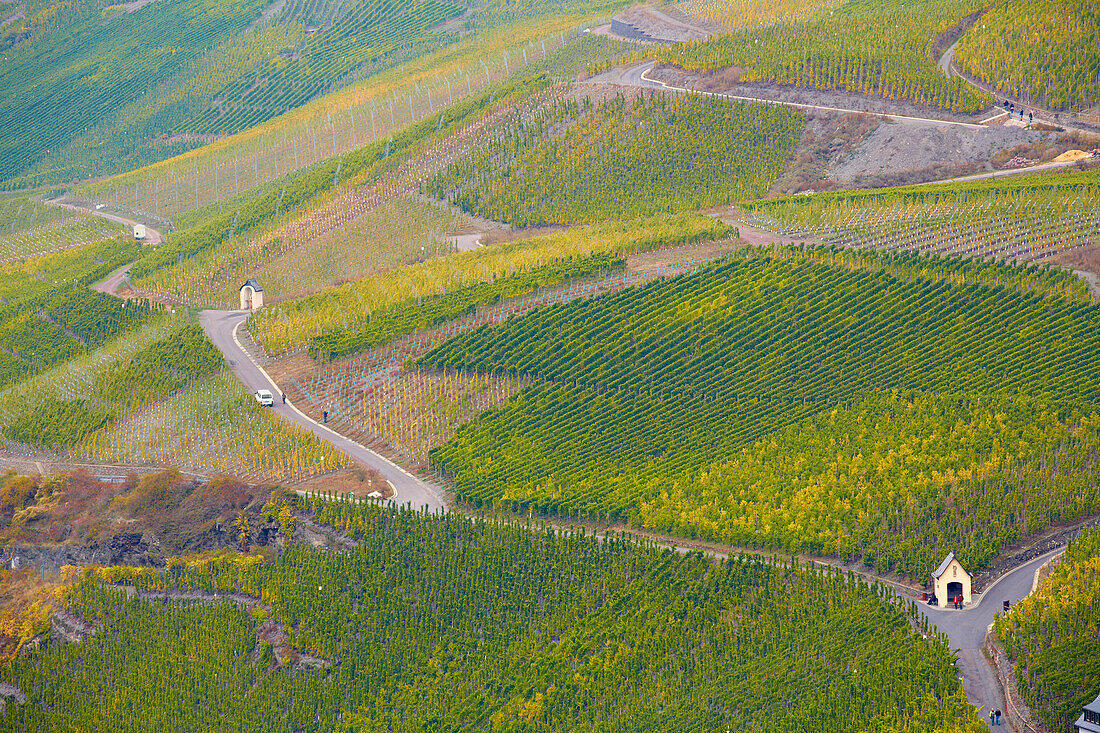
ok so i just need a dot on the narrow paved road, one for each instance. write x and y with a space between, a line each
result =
221 328
152 236
947 58
966 631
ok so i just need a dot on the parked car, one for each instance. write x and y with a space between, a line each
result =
264 397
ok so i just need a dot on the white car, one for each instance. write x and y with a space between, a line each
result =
264 397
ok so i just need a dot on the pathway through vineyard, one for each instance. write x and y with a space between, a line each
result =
966 629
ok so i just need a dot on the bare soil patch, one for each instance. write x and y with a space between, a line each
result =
1079 258
358 481
647 23
827 142
941 151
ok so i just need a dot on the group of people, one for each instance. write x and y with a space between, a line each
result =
1010 107
995 717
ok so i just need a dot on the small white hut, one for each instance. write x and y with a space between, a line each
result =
950 580
252 295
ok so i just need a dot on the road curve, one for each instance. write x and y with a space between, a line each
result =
221 328
638 76
152 236
113 282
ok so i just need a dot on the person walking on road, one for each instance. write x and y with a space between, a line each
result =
326 416
284 398
991 718
998 716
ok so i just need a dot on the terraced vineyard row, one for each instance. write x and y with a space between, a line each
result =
754 346
732 15
345 120
444 622
882 49
366 32
1022 220
1041 52
578 161
288 326
373 396
1052 636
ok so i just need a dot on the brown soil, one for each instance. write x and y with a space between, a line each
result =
358 481
1079 258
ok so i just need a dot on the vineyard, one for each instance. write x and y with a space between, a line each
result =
1041 52
394 232
731 15
373 397
158 370
43 323
29 227
344 120
213 425
60 83
340 208
288 326
1022 219
1053 635
575 160
139 85
881 49
450 623
159 397
769 352
366 32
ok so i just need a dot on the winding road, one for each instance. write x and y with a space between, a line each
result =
221 328
638 76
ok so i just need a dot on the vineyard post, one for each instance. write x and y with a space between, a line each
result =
431 107
450 99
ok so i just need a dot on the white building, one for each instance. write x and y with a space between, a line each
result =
949 581
252 295
1089 722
